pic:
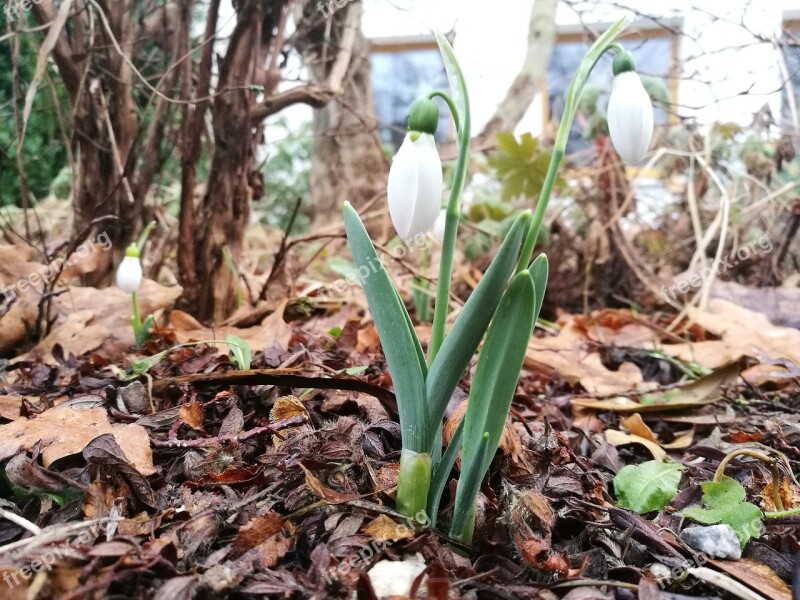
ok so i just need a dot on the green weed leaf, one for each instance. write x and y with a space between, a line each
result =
647 487
725 503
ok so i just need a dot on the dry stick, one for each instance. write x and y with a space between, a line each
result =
281 378
280 255
20 520
51 534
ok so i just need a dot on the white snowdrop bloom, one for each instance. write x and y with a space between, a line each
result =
630 117
415 185
129 273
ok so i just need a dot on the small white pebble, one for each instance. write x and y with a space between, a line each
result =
395 578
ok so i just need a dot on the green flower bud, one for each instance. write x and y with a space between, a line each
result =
423 116
623 62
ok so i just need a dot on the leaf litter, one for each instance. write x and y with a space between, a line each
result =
279 480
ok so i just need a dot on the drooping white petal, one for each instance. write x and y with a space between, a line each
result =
402 187
429 185
415 186
438 227
129 274
630 117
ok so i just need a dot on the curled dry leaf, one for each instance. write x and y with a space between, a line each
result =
192 414
257 531
538 554
384 529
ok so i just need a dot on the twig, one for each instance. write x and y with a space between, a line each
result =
21 521
221 439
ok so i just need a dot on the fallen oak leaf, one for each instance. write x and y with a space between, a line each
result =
702 391
64 431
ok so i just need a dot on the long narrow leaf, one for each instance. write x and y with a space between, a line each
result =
539 269
441 472
458 85
461 343
493 387
397 339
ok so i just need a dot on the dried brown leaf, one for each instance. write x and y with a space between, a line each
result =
384 529
64 431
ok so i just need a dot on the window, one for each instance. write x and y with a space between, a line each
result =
402 72
790 42
655 51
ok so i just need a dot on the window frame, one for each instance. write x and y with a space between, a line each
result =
396 45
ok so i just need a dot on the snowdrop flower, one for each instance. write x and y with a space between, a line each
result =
129 272
415 178
630 111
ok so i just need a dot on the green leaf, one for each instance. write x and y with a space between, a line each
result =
493 386
458 85
441 472
539 269
240 351
725 503
520 166
400 344
143 365
647 487
461 343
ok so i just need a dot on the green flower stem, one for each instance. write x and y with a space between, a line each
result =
142 240
136 320
451 226
781 514
604 43
544 198
413 482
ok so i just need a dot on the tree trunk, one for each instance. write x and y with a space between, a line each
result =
95 68
347 160
532 75
225 209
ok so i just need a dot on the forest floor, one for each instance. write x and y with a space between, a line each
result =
184 476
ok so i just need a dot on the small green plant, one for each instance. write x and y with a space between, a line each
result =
724 502
724 498
502 309
241 353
